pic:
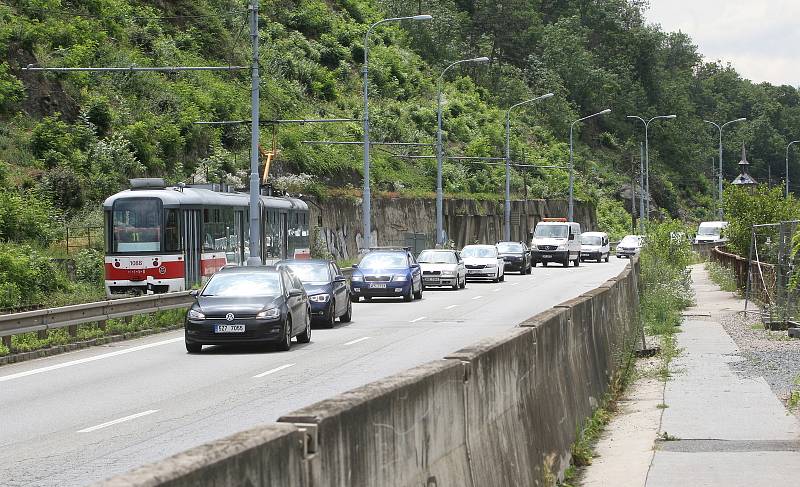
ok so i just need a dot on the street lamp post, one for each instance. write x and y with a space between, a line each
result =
366 205
647 154
507 208
440 149
719 176
787 164
571 164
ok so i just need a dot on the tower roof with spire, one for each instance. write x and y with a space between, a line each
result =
744 179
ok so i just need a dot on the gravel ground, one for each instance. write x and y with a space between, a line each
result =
769 354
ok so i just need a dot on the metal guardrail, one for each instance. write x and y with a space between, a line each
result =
62 317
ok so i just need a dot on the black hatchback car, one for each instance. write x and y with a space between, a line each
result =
239 305
516 255
326 287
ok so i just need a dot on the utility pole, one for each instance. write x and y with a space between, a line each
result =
255 181
641 189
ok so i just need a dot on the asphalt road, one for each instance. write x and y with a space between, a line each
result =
80 417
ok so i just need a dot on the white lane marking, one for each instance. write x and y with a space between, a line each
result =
117 421
496 289
272 371
88 359
351 342
515 284
477 297
418 319
452 306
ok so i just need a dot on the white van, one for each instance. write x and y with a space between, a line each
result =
710 232
556 240
596 246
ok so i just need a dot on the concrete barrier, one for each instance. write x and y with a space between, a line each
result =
268 456
502 412
405 430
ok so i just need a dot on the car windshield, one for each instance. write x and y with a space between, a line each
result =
591 240
629 241
311 273
384 260
709 231
551 231
437 257
481 252
510 247
244 284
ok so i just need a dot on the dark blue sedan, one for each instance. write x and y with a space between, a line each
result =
326 287
387 273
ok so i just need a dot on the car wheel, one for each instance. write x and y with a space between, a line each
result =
305 336
354 298
566 262
331 321
348 315
530 268
409 296
418 294
194 347
286 342
457 284
577 262
464 282
544 264
502 277
608 256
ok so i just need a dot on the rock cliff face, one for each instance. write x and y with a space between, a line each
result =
412 222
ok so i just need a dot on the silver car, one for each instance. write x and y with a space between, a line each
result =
442 267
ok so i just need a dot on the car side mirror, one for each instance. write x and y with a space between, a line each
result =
415 266
194 293
571 236
295 293
354 266
339 279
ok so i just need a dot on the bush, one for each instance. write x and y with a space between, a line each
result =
26 218
89 266
745 207
26 276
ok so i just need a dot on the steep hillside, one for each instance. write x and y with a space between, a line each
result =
68 140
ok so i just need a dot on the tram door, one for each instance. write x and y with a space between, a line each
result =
284 234
191 246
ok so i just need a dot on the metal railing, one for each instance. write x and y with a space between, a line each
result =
70 316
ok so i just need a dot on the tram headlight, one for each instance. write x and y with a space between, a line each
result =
195 315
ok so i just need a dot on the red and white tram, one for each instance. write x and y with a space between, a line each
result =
165 239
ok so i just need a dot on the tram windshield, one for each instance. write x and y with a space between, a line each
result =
137 225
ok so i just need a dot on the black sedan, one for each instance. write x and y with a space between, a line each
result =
249 305
516 255
326 287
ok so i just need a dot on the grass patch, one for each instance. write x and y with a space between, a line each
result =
722 276
28 342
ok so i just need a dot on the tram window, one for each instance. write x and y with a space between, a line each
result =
136 225
171 234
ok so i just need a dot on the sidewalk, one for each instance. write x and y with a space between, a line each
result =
721 429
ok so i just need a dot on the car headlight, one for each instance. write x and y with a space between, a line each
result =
562 247
356 278
320 298
268 314
193 314
400 278
491 265
448 273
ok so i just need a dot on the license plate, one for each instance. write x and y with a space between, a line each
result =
431 279
229 329
377 286
475 271
547 257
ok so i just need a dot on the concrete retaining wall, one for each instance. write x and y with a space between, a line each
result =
503 412
465 221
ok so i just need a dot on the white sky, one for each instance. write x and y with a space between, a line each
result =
760 38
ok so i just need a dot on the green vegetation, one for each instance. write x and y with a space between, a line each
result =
746 207
27 342
666 287
722 276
